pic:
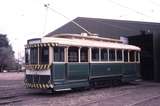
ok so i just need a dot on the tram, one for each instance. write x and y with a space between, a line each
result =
79 60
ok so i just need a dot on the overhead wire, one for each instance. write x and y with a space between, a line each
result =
134 10
155 3
59 13
115 26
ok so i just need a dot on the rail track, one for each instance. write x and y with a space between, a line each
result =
13 92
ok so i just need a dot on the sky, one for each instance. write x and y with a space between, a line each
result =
26 19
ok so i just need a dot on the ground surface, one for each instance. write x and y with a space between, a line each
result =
13 93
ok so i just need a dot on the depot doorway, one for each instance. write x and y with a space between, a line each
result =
145 42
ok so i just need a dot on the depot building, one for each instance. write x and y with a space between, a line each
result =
146 35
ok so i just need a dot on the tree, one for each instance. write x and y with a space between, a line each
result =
7 59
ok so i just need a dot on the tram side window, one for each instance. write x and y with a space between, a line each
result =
111 54
27 56
132 56
58 54
73 54
137 56
119 55
84 55
44 55
104 55
95 54
34 55
125 55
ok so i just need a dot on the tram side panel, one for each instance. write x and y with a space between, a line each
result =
126 72
105 71
130 71
79 75
58 73
70 75
75 75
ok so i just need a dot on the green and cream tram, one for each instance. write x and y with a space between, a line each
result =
78 60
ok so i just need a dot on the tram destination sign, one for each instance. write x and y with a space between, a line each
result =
34 41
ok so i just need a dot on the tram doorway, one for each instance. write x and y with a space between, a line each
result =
145 42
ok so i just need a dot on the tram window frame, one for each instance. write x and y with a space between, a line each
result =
34 55
73 54
58 54
137 56
44 55
95 54
125 56
119 55
84 54
104 54
132 56
112 55
27 56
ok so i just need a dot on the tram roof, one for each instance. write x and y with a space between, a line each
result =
93 37
88 43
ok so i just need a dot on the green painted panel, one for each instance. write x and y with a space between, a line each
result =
58 71
130 71
76 74
77 71
130 68
105 69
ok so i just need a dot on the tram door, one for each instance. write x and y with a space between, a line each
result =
75 69
78 66
59 66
